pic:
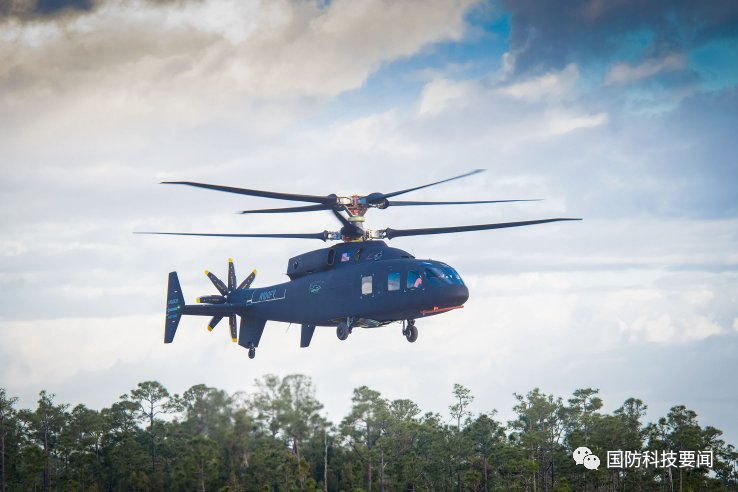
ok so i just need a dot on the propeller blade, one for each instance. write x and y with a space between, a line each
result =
211 300
213 322
247 281
327 200
382 196
397 203
232 324
323 236
231 275
307 208
218 283
393 233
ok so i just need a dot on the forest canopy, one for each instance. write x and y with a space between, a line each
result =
277 438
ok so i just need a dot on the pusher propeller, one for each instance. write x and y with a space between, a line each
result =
226 291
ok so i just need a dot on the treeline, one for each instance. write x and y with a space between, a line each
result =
276 438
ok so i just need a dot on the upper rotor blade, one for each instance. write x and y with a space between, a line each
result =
398 203
307 208
395 193
393 233
266 194
323 236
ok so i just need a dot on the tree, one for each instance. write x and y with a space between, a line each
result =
152 399
460 411
539 428
361 427
7 413
487 437
45 425
298 415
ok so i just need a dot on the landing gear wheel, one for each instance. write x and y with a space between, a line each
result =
411 333
252 352
342 331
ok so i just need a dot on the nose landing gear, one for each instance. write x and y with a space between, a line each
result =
410 331
252 351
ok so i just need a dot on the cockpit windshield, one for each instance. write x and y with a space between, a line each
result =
442 274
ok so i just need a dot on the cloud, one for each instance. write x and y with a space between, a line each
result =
623 73
133 68
552 35
33 9
554 84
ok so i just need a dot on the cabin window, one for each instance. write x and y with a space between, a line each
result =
414 280
393 281
366 285
331 256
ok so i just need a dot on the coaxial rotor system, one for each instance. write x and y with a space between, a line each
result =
350 211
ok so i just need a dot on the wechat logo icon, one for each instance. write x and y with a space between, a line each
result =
584 456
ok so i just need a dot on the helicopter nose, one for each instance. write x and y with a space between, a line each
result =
457 295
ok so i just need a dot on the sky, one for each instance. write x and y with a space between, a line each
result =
622 113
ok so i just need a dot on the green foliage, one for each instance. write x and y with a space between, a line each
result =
277 439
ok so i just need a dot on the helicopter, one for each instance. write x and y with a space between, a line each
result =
360 282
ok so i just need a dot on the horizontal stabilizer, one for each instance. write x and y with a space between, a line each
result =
250 332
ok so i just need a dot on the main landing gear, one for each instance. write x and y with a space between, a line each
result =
343 330
410 331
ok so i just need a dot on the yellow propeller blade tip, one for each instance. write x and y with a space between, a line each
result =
230 260
254 272
206 272
234 340
210 328
197 300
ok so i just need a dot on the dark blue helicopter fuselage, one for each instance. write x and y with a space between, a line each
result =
367 283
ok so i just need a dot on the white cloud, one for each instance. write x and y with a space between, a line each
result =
441 93
131 69
561 122
624 73
552 85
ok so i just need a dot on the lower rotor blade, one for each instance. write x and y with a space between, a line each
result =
231 275
308 208
323 236
398 203
218 283
232 324
247 281
213 322
393 233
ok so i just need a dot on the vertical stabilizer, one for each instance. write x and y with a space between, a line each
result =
175 306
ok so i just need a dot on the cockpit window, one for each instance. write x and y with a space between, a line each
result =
442 275
414 280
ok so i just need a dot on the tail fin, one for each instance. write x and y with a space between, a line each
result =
175 306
